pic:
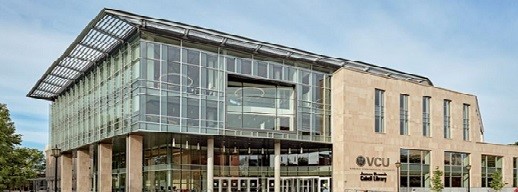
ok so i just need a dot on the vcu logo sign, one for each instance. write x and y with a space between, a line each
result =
372 161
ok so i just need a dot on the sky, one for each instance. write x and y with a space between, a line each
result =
466 46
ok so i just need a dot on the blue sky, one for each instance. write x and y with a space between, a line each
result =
466 46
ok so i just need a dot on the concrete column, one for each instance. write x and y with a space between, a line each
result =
104 173
83 170
277 166
210 165
66 172
134 163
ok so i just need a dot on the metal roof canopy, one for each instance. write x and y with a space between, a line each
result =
111 28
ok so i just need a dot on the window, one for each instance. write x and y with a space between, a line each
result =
515 172
455 172
447 131
465 122
379 105
403 114
490 164
426 116
415 168
260 105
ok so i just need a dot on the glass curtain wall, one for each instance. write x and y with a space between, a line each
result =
415 168
119 164
490 164
98 106
260 106
182 88
174 163
179 162
455 172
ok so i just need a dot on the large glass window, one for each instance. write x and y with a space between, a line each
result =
415 168
256 105
379 106
447 119
403 114
490 164
465 122
426 116
455 172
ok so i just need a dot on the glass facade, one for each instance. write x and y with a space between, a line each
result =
204 88
490 164
426 116
415 168
99 106
403 114
379 107
180 161
167 86
455 172
189 88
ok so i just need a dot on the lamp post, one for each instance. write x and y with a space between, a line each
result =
398 164
56 152
468 167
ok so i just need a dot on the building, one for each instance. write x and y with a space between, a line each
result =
144 104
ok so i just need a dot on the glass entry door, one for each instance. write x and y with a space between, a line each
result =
288 184
236 184
324 184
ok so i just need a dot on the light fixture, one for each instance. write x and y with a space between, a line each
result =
223 148
249 151
174 142
262 150
187 144
289 150
235 149
198 146
301 150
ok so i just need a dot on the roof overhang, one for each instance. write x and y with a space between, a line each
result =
111 28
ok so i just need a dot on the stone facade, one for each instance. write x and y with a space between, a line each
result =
354 135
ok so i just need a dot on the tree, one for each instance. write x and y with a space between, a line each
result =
515 143
497 182
8 140
436 180
17 164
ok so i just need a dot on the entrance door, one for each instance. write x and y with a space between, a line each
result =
271 185
324 184
254 185
289 185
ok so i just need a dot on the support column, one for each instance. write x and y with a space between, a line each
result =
277 166
66 172
210 165
83 170
104 173
134 163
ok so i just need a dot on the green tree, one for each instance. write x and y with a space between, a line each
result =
8 140
17 164
497 182
436 182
